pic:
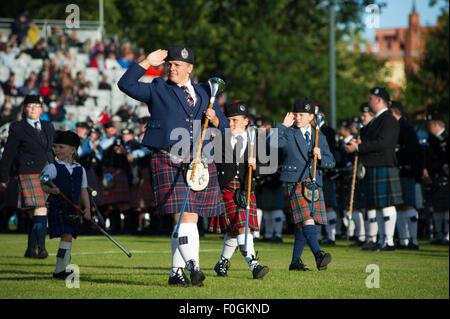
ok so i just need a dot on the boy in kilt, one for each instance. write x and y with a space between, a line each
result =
297 144
69 178
410 160
436 175
381 184
177 107
233 165
29 149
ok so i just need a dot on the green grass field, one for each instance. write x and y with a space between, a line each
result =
106 272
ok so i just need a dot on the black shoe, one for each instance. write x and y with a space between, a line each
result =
401 246
277 240
260 271
376 247
42 254
436 242
298 265
222 267
368 245
197 276
322 260
179 279
386 247
266 239
29 253
329 242
412 246
62 275
358 243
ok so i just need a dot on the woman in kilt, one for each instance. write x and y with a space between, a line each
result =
69 178
29 149
381 186
177 107
233 168
297 143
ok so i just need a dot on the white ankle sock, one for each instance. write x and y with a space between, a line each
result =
63 256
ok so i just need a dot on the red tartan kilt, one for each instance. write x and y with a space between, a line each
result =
234 216
120 193
31 194
143 192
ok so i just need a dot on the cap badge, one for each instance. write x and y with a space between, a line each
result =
242 107
307 107
184 53
376 91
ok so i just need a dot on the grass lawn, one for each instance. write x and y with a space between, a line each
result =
106 272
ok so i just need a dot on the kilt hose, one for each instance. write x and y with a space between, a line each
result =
300 208
142 193
381 187
234 216
31 194
169 189
57 226
329 193
411 192
120 193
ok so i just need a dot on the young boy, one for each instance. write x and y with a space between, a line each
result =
297 143
233 176
69 178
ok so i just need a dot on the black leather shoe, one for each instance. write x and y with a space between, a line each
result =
412 246
368 245
62 275
260 271
197 276
179 279
42 254
298 265
377 247
322 260
29 253
222 267
386 247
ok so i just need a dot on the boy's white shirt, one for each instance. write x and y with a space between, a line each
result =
50 170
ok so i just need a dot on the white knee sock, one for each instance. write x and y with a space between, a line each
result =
188 243
331 225
250 250
278 218
412 217
63 256
177 259
229 246
402 227
390 218
380 224
373 225
358 219
268 224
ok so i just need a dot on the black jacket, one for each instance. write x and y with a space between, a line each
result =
25 149
378 143
436 154
409 154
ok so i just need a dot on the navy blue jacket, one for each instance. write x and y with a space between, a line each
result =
168 108
298 162
25 149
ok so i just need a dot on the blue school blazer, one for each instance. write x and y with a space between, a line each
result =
298 163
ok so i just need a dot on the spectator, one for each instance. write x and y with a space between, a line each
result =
71 121
80 97
98 62
51 97
104 85
31 86
2 95
2 44
44 87
127 114
7 57
56 113
33 33
111 62
112 49
20 27
80 82
73 40
67 98
126 56
22 60
8 112
9 87
59 58
53 41
87 47
63 45
38 51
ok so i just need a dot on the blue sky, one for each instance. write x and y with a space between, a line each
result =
395 15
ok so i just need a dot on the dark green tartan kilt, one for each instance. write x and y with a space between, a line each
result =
270 198
329 193
381 187
300 208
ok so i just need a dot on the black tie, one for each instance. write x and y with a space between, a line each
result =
238 147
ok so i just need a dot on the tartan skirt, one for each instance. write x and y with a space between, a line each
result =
300 208
234 216
270 199
411 192
31 194
142 192
329 193
381 187
57 226
120 193
169 189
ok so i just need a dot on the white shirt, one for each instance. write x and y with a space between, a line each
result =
348 139
244 141
32 123
51 171
191 90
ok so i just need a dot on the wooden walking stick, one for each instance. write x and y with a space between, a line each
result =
249 189
216 85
